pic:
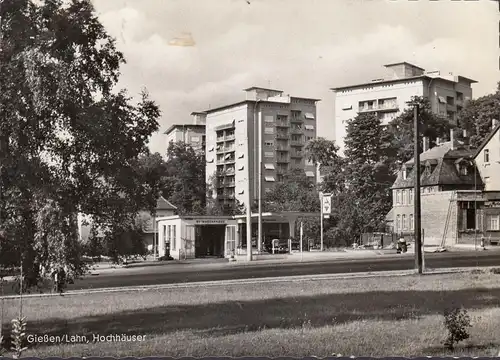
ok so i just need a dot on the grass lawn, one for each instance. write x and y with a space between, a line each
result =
371 316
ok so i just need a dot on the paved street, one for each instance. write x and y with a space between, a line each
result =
171 273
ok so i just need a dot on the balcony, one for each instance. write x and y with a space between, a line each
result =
297 131
282 124
381 107
282 148
297 120
297 155
282 135
297 142
230 161
282 160
229 149
281 171
229 137
230 171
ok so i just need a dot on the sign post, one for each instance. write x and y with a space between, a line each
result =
326 207
301 235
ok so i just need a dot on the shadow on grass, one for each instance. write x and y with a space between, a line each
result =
224 318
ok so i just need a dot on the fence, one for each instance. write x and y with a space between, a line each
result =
383 239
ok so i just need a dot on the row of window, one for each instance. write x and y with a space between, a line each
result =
404 223
405 196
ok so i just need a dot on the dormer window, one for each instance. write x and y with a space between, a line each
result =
463 169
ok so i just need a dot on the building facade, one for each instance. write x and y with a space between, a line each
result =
387 97
192 134
451 196
487 158
263 136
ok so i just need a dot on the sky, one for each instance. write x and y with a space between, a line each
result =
192 55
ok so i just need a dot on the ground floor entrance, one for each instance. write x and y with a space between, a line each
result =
209 241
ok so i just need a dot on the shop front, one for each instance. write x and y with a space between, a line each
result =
189 237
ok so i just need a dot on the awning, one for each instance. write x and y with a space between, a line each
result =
269 166
224 126
210 160
241 156
309 127
347 107
241 167
309 116
211 148
442 99
270 178
227 156
241 192
309 174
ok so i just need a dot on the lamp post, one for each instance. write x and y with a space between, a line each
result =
417 205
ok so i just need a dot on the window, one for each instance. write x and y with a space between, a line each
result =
493 222
174 239
268 119
309 174
268 143
450 100
164 234
195 138
398 222
169 237
486 155
268 130
268 154
463 169
410 196
470 217
398 197
405 226
412 223
403 197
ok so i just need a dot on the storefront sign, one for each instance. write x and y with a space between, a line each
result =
492 204
211 222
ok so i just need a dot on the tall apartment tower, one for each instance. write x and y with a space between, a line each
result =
192 134
275 127
387 97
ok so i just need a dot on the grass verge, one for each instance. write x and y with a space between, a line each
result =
365 316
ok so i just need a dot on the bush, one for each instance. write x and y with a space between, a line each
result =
457 322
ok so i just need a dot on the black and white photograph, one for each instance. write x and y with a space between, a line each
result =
249 178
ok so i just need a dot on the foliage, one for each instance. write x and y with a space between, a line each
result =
477 115
69 138
432 126
18 336
457 322
296 193
215 207
332 166
185 179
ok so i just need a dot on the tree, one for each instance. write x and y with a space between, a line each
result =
215 207
69 138
185 179
477 115
432 126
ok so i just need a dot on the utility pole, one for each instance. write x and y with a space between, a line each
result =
259 172
417 207
249 205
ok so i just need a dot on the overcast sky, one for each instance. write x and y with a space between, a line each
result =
303 47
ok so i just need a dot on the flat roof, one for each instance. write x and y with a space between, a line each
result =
243 102
404 63
399 80
262 88
176 126
195 217
198 113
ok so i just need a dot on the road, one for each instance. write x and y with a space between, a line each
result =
168 274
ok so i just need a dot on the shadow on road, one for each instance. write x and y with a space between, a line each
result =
224 318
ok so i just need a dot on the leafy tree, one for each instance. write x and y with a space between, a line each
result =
69 138
432 126
216 208
477 115
185 179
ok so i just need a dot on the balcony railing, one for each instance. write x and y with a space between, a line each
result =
282 160
297 143
282 136
297 131
282 124
282 148
297 155
297 120
380 107
229 137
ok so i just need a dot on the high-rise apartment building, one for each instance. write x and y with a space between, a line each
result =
275 127
387 97
192 134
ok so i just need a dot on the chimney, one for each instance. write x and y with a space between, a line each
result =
438 141
494 123
465 138
425 146
452 139
465 134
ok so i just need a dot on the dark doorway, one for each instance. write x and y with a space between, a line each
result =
471 219
210 241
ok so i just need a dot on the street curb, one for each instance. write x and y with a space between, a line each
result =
298 278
